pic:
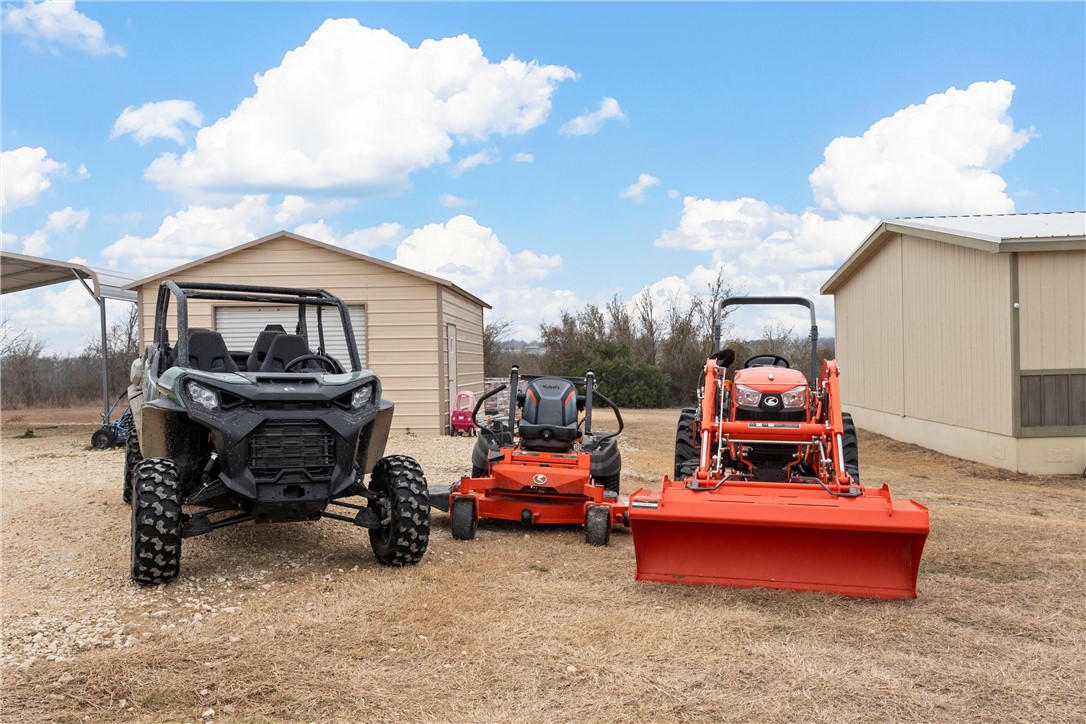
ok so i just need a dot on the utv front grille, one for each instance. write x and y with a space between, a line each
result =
280 445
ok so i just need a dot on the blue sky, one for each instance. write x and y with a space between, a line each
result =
540 155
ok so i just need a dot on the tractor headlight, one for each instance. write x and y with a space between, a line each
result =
361 397
747 397
795 398
202 395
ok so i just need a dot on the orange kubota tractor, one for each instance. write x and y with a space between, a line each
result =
550 467
767 488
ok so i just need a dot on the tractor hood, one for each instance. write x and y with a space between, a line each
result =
769 379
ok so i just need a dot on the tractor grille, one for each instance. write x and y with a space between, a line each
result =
279 445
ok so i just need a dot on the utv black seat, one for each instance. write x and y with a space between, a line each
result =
262 345
283 349
207 352
548 420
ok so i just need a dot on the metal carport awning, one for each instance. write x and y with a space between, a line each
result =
19 273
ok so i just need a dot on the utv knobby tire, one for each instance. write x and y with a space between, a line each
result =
685 447
103 439
156 522
464 520
402 541
850 448
597 525
132 457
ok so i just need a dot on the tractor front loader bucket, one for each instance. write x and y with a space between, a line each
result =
796 537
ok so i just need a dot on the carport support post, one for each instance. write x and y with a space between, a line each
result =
105 354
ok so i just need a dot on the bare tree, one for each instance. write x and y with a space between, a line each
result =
495 344
649 340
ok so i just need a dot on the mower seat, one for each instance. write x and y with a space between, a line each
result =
548 420
283 349
262 345
207 352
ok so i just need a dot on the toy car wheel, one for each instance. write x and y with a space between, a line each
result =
103 439
402 495
132 457
156 522
597 525
464 522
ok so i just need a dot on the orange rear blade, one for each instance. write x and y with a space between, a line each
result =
795 537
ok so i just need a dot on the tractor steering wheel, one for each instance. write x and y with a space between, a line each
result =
766 360
326 363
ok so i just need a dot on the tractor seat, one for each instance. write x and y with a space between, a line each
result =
548 420
283 349
207 352
262 345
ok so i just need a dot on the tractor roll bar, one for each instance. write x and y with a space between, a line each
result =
801 301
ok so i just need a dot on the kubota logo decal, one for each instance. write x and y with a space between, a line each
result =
540 479
772 402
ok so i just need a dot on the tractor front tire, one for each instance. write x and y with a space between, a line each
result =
400 484
103 439
132 457
685 447
479 472
850 448
156 522
597 525
464 520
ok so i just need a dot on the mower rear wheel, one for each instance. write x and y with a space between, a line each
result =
685 447
850 448
464 522
103 439
400 485
597 525
156 522
132 457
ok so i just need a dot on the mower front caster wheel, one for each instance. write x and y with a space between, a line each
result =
597 525
464 521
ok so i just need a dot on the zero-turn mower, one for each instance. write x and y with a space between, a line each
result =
548 468
767 488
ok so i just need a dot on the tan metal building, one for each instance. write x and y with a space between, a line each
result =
967 335
422 334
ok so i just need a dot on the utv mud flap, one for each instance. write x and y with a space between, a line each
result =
795 537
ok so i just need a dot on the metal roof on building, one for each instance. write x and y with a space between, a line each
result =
994 233
19 272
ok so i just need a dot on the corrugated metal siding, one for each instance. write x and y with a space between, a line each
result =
869 335
240 325
957 324
468 318
1052 315
402 328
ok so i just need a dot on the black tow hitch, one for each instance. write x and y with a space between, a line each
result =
365 517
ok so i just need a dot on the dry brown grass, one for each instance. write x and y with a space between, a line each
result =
537 626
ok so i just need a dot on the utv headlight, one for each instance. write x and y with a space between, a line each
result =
747 397
202 396
361 397
795 398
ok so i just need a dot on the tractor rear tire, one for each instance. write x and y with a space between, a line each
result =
597 525
687 469
156 522
686 448
132 457
103 439
464 520
610 483
398 480
478 472
850 448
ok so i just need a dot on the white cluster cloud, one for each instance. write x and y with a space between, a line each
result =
450 201
938 157
361 240
161 119
63 222
358 108
67 218
591 122
55 23
201 230
636 190
473 257
479 158
24 175
523 157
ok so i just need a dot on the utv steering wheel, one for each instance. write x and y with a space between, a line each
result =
326 363
761 360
